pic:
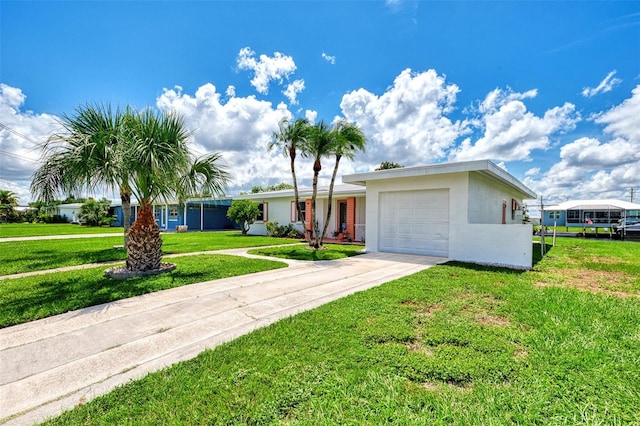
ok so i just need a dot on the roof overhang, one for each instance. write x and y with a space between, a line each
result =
343 190
484 167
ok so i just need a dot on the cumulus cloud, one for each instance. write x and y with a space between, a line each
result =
20 134
330 59
591 168
265 69
407 124
292 91
511 132
605 85
240 129
231 91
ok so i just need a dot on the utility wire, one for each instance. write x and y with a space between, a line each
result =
15 132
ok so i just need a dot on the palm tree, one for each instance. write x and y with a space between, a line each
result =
348 138
89 153
159 163
8 201
319 144
289 138
143 154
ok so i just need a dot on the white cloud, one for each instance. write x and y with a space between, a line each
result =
605 86
406 124
23 131
330 59
292 91
311 115
266 69
241 130
590 168
231 91
511 132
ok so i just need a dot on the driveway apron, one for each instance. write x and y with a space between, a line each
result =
51 365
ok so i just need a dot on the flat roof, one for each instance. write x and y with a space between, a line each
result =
485 167
609 204
305 192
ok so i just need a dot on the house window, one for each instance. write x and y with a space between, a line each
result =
263 216
554 215
303 211
173 213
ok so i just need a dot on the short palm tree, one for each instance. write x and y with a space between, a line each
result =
161 166
89 153
318 145
143 154
290 136
8 200
348 139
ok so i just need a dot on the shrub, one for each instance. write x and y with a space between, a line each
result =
285 231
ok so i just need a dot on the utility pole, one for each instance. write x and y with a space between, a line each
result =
632 194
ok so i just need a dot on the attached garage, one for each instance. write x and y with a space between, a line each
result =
467 211
415 222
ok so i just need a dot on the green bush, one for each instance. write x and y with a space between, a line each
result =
284 231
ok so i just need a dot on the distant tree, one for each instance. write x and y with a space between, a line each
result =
8 200
73 199
278 187
244 213
96 212
386 165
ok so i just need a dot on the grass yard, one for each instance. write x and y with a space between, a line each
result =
26 256
303 252
456 344
41 229
30 298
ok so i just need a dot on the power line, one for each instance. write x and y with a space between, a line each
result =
17 133
18 156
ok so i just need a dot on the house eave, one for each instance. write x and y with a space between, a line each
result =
485 167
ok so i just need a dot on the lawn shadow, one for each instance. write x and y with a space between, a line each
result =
537 252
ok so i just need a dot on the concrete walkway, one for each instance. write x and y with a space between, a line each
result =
54 364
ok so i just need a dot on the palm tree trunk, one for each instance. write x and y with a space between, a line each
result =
144 247
125 198
292 156
316 231
333 180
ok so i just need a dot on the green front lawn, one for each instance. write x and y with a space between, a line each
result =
456 344
25 256
303 252
30 298
44 229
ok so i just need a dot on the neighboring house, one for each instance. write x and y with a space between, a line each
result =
590 213
466 211
197 214
69 211
347 210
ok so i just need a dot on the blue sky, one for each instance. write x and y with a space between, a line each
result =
549 90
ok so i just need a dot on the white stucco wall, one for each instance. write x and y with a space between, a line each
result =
486 241
501 245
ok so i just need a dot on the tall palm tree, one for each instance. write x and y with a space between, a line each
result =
89 153
289 138
159 163
318 145
348 138
8 200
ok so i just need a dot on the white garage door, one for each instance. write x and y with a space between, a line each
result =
414 222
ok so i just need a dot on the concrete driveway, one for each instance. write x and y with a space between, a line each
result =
56 363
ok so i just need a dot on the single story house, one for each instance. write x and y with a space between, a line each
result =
69 211
466 211
590 213
197 214
347 210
